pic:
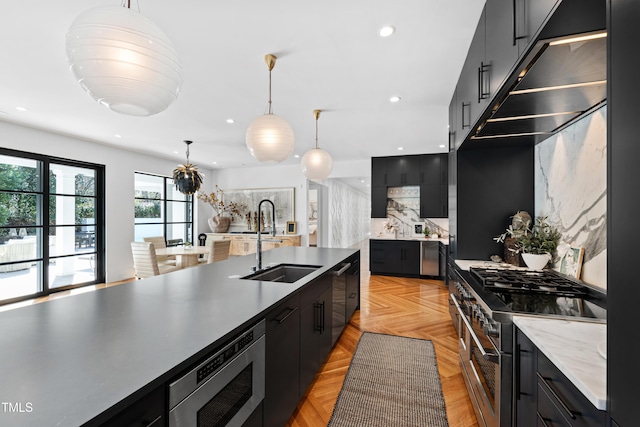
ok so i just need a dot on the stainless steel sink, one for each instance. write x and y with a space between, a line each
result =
286 273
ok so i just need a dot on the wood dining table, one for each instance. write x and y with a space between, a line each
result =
186 256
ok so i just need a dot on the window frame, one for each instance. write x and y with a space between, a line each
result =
189 204
44 226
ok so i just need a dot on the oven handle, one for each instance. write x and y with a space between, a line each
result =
491 357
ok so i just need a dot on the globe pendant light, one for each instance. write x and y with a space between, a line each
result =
316 163
269 138
123 60
186 177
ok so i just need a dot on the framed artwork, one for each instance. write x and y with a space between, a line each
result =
571 262
282 198
291 227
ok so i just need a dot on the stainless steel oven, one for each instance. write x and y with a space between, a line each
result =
486 366
226 388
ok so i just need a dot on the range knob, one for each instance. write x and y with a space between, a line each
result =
491 328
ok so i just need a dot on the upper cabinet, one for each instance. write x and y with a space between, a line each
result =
429 171
403 170
505 31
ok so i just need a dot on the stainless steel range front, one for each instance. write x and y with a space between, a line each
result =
482 302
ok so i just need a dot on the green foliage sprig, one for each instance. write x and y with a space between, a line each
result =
539 238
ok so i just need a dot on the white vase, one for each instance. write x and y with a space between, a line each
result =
536 261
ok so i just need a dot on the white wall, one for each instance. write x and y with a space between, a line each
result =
120 166
349 212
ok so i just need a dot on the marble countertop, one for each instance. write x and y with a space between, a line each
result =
464 264
573 347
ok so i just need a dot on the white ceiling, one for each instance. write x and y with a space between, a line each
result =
330 57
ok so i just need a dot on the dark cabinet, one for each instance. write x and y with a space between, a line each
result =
529 17
471 97
501 47
394 257
543 395
525 382
378 171
403 170
353 289
428 171
147 411
282 382
315 328
434 188
378 202
623 371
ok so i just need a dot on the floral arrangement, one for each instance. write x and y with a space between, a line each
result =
390 225
215 199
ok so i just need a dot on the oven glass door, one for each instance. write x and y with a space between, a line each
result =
227 398
482 366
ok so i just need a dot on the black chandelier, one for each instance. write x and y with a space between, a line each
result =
186 177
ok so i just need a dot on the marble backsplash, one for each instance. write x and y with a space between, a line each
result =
403 211
571 190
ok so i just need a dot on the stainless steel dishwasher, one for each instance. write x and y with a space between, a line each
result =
429 258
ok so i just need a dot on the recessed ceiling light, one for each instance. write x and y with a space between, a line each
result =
297 156
215 163
230 121
117 136
441 145
386 31
175 152
21 109
400 148
394 99
362 181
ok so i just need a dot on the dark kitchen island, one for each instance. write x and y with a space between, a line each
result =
83 359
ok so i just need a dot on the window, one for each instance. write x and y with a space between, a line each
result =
161 210
51 225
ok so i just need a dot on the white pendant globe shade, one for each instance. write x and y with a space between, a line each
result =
316 164
123 60
270 139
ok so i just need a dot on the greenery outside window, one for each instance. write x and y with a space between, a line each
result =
161 210
51 225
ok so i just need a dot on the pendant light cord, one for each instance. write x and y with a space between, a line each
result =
188 143
270 92
316 132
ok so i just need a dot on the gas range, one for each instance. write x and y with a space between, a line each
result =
482 303
538 292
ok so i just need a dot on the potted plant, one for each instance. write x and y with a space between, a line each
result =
536 243
225 213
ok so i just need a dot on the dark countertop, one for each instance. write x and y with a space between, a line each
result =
71 359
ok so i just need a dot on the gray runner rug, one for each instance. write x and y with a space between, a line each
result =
391 381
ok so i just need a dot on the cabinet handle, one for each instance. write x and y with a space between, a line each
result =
282 316
545 381
317 327
468 125
322 317
514 25
483 68
516 368
542 420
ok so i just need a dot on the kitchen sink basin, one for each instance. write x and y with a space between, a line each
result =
285 273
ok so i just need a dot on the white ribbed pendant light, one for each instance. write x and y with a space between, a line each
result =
123 60
270 138
316 163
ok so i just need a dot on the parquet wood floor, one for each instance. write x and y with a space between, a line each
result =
415 308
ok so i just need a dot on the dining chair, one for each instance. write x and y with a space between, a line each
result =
145 262
218 251
159 242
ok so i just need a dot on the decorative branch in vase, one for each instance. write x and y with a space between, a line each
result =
536 243
225 213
